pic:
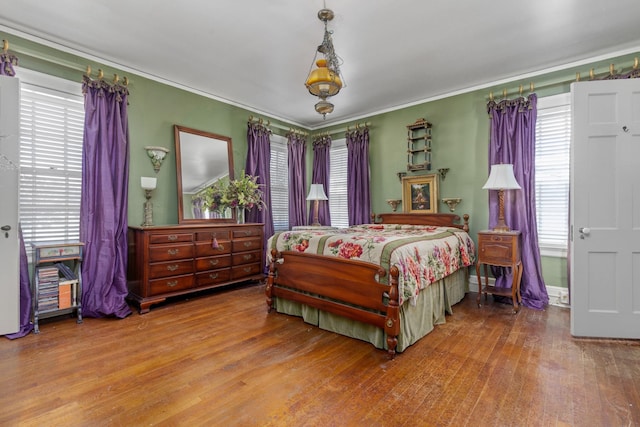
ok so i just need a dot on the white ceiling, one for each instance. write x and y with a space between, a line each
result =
257 53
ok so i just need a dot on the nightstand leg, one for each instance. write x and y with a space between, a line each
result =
479 285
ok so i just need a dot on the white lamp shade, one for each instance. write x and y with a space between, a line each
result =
501 178
316 192
148 183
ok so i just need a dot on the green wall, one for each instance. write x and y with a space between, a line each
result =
460 136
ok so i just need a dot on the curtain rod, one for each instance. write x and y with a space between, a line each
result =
344 130
275 125
61 62
592 76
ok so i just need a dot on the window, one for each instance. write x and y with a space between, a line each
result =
51 132
338 206
279 171
553 142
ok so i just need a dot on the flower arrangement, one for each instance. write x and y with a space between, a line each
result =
244 193
213 196
225 193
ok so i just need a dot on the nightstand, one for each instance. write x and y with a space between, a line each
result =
500 249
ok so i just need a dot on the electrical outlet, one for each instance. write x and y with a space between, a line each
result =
564 297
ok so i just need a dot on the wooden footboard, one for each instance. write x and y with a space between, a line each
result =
344 287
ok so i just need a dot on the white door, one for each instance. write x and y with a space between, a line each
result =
605 209
9 243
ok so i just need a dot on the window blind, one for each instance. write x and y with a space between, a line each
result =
338 202
279 172
553 143
51 133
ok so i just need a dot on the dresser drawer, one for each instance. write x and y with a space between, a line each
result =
213 276
171 284
218 234
242 245
247 257
247 232
211 263
155 239
240 271
170 252
207 249
172 268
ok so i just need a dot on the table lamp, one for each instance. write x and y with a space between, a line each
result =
148 184
501 178
316 193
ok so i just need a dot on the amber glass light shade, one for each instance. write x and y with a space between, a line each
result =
322 81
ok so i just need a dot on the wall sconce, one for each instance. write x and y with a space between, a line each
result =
316 193
157 155
443 172
148 184
401 175
452 203
394 203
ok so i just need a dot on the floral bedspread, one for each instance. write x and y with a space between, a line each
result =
423 254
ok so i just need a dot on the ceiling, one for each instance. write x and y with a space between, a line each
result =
257 53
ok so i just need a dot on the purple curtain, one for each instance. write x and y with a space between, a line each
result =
258 160
196 207
358 176
513 137
297 149
103 204
7 62
320 175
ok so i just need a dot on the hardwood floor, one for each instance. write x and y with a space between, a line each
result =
220 359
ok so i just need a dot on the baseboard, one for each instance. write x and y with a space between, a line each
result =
558 296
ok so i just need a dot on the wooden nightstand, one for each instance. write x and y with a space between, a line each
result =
500 249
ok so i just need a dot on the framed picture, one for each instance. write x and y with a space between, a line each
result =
420 194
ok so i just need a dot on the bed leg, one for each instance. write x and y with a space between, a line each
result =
268 290
392 321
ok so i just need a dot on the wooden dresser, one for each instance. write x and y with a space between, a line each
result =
166 261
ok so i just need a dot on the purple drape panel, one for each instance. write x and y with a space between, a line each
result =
196 206
7 61
258 159
513 130
359 198
103 204
25 293
297 149
320 175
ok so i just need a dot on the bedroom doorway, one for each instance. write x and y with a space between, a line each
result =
605 209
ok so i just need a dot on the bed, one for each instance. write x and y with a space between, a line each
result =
388 282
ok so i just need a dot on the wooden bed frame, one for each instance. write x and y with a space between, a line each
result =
348 288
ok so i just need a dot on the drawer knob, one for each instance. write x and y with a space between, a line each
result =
172 267
248 257
214 261
172 237
173 251
248 244
213 276
172 283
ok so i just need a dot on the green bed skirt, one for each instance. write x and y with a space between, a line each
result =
416 321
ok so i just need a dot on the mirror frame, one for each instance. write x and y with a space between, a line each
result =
215 138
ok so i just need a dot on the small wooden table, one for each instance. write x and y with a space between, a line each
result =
500 249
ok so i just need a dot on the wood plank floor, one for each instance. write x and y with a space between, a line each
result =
220 359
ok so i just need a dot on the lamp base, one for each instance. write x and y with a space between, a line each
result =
501 227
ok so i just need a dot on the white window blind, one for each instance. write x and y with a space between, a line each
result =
279 172
338 205
51 129
553 142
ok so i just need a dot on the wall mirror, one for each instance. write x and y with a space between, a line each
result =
202 159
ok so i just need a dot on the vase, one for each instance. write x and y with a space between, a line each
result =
240 215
